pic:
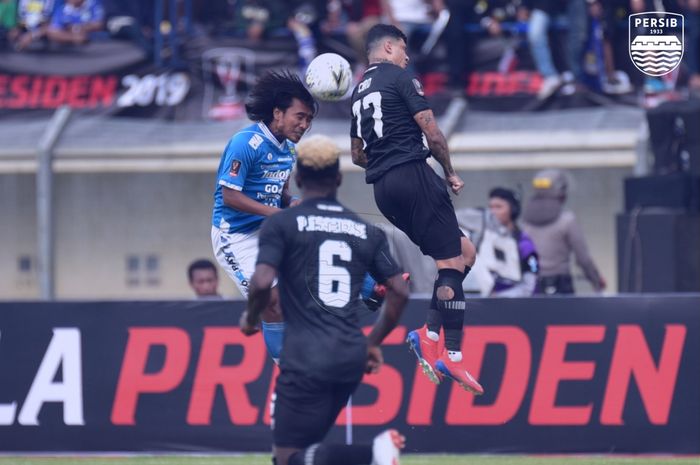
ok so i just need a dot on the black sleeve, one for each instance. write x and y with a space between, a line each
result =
411 91
271 241
383 265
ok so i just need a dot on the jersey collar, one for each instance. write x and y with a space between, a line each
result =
271 137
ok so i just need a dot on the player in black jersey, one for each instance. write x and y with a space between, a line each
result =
390 115
321 252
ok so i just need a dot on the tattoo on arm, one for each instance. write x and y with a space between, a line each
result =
436 140
359 157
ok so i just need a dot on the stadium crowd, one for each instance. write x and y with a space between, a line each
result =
573 44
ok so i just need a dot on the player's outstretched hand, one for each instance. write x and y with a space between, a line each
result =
374 359
246 327
455 183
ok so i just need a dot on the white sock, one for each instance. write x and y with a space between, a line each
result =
455 356
433 336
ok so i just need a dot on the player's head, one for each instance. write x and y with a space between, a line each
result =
504 205
386 42
551 183
318 166
280 100
203 278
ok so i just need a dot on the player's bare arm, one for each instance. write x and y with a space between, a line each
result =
359 157
259 296
240 201
438 147
288 200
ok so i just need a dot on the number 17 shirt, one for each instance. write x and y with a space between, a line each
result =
383 105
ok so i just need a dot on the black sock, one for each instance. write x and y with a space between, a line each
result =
333 454
451 305
434 318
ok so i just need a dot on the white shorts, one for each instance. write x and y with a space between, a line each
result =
237 254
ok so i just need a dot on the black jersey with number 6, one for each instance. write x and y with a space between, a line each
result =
321 252
383 105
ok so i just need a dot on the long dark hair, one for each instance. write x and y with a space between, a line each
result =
276 89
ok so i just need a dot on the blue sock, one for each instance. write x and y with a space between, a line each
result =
367 287
273 334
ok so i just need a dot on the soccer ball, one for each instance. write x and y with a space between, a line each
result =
329 77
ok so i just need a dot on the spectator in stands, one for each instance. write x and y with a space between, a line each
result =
260 19
599 60
8 20
131 20
556 234
75 21
33 23
412 15
204 279
543 12
516 275
494 13
361 16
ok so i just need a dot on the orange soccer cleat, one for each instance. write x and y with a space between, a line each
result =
426 351
459 374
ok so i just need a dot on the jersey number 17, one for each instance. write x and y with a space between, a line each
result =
374 100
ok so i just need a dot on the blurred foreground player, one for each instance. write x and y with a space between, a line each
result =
390 117
321 252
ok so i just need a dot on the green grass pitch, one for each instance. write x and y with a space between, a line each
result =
405 460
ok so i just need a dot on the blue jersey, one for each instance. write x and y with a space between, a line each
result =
254 163
68 15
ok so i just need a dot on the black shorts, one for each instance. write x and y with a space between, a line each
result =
306 408
415 199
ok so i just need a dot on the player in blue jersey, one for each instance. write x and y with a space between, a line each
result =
253 183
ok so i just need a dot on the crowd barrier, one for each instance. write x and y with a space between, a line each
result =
562 375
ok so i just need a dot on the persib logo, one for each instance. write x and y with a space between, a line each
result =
656 41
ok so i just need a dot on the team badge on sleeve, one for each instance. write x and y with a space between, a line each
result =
235 168
418 86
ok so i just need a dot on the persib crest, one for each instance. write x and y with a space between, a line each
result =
656 41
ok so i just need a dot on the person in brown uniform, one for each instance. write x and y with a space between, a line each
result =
557 234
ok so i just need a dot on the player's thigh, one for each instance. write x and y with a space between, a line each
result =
416 200
303 410
237 254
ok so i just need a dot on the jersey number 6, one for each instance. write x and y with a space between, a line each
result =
333 281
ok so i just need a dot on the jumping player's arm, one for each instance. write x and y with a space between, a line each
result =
412 93
270 252
258 297
288 200
359 157
438 147
240 201
239 156
385 269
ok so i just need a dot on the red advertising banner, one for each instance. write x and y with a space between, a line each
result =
561 375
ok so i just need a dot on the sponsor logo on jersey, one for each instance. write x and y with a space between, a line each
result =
656 41
269 156
255 141
418 86
278 174
235 168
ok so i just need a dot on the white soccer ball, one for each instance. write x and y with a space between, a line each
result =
329 77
